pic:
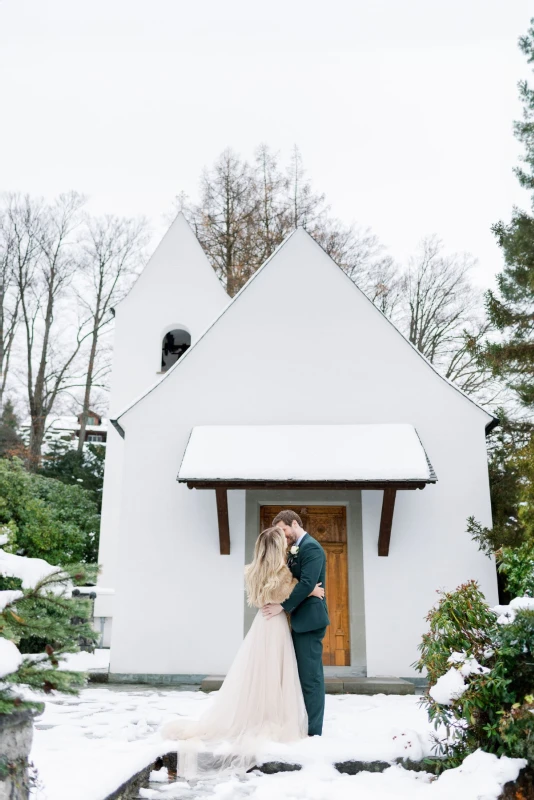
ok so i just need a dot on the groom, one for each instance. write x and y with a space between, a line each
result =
309 615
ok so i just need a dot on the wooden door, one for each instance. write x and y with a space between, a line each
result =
327 524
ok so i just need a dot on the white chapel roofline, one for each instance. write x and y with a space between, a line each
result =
115 422
179 219
493 420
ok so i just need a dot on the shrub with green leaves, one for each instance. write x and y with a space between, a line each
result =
517 565
489 662
46 517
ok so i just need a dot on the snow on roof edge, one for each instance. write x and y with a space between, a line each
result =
364 452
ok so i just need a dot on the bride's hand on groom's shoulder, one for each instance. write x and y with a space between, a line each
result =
271 610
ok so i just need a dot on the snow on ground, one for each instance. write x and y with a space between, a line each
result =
86 746
481 777
86 662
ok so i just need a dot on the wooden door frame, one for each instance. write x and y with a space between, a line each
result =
351 499
336 644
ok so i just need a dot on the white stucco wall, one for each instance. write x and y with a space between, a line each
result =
300 345
177 288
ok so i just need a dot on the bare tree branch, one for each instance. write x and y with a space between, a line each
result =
111 252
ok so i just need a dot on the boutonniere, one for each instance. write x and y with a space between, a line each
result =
292 555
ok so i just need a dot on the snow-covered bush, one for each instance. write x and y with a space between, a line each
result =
38 608
480 665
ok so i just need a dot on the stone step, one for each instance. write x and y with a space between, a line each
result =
342 685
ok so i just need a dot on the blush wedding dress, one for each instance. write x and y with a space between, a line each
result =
260 700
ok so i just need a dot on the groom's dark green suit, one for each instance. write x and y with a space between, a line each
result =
309 618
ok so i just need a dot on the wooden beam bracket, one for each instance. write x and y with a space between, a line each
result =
386 520
221 496
390 489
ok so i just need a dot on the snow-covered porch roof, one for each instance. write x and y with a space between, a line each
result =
385 457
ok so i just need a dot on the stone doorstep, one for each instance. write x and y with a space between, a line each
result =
377 686
344 685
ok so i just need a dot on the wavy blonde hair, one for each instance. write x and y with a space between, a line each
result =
268 566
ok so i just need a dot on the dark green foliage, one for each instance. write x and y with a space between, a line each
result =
10 440
49 615
85 469
511 539
517 567
486 715
460 622
515 643
511 308
511 465
47 518
524 130
517 730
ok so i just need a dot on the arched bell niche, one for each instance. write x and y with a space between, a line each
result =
174 344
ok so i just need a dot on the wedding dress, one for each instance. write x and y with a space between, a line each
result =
260 700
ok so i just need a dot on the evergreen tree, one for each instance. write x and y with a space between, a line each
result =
40 622
511 309
511 474
85 469
10 440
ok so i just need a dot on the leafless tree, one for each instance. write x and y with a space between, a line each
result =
245 212
111 251
463 364
382 283
305 207
44 266
273 222
439 297
443 315
359 253
224 219
9 299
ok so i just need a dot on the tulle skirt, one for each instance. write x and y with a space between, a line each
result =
260 700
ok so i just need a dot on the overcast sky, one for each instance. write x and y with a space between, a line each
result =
402 109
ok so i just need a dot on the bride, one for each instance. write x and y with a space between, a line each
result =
261 698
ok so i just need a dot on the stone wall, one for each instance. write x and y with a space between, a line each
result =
16 734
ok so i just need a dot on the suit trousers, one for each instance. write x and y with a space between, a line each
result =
309 653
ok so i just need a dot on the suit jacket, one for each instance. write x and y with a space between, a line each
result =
309 567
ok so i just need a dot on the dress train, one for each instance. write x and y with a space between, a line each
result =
260 700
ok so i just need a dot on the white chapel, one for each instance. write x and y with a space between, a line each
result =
297 393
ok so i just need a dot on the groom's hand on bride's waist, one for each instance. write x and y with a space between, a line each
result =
271 610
